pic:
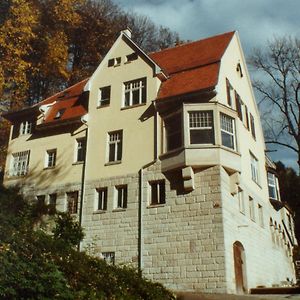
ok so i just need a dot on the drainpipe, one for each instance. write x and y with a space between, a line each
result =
84 121
141 195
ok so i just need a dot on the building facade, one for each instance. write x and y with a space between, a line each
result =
161 157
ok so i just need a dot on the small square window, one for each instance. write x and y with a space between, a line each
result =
109 257
121 196
157 192
72 202
50 158
111 62
101 199
104 97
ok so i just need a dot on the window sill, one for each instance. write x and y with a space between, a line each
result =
103 106
111 163
156 205
133 106
99 212
118 209
49 168
77 163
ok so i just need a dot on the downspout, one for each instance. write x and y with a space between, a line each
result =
84 121
141 195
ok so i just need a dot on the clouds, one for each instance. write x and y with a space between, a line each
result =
256 20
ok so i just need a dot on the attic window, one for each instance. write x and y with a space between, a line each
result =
239 69
62 95
59 113
114 62
131 57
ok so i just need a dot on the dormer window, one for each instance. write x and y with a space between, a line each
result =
26 127
59 113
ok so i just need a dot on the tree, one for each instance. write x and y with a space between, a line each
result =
279 70
289 183
38 264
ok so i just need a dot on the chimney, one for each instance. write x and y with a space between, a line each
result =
127 31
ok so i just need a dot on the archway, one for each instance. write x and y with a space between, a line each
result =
239 267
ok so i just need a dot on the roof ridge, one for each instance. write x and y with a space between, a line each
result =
192 42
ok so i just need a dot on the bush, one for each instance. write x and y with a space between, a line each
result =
39 265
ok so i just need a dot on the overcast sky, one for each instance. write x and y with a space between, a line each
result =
255 20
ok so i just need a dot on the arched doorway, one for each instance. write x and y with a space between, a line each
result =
239 267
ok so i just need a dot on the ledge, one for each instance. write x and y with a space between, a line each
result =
99 212
118 209
133 106
156 205
113 163
77 163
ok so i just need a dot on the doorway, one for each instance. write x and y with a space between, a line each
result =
239 267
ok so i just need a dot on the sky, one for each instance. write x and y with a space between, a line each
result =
257 21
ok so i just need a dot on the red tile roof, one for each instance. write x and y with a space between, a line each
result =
70 101
184 63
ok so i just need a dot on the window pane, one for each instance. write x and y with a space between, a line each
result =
119 151
227 140
201 136
154 193
135 97
112 152
173 129
162 192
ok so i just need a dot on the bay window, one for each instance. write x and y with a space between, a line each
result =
173 129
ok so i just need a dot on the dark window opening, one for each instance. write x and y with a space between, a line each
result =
173 127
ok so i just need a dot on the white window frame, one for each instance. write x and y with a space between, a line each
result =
272 184
26 127
114 138
130 87
19 163
159 188
254 168
121 197
50 159
201 120
227 126
101 199
104 101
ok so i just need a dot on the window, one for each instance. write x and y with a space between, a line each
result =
252 126
251 209
230 92
240 196
114 62
201 127
72 202
173 130
41 200
52 201
135 92
109 257
247 117
50 158
26 127
104 96
59 113
254 168
273 191
158 192
115 146
238 104
20 161
81 148
121 192
260 215
131 57
227 131
102 199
